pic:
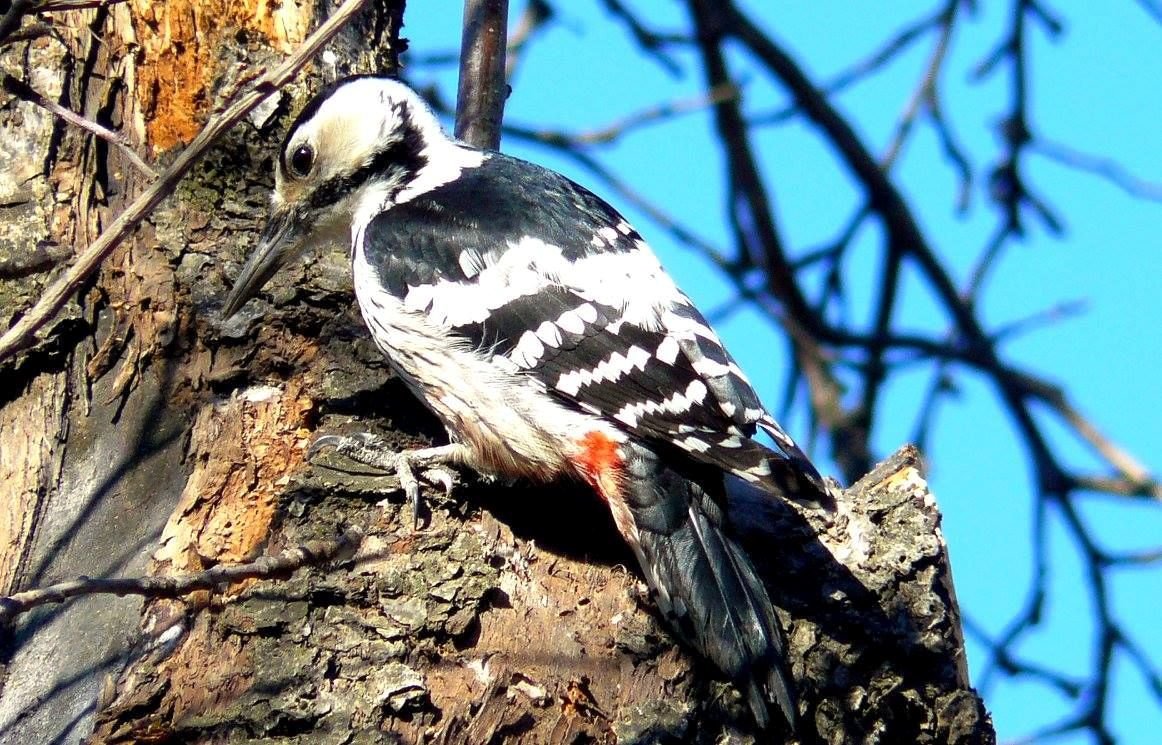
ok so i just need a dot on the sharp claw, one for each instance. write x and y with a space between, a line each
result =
416 511
342 443
442 477
411 487
368 449
321 442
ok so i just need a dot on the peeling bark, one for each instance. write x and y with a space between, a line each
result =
142 436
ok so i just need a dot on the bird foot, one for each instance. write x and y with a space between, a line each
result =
370 450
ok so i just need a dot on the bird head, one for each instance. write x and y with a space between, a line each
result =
350 152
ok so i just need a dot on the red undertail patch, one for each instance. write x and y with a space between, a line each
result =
600 461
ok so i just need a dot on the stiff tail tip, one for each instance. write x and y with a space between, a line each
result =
705 585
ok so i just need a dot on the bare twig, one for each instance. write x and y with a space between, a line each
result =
1153 8
926 93
25 92
11 20
682 234
1150 556
53 6
1055 314
899 43
1121 486
22 333
652 43
309 554
1107 168
1126 464
483 90
955 154
536 16
622 126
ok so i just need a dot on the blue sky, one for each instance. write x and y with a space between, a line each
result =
1096 89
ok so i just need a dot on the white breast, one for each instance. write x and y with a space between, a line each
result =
508 420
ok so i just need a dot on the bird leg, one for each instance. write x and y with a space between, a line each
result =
370 450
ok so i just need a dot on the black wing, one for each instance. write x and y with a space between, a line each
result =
547 278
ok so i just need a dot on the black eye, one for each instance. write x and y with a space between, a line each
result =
301 161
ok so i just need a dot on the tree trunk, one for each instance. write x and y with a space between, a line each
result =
141 436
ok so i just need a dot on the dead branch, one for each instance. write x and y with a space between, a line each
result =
312 553
25 92
22 333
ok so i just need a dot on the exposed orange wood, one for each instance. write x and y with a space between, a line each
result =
179 42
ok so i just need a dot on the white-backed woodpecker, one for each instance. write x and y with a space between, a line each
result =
536 323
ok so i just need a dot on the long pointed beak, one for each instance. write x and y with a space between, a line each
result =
280 240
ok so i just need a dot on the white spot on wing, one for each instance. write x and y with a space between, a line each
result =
638 357
627 414
613 367
708 368
587 313
618 365
570 383
668 350
570 321
762 469
549 334
678 403
528 351
632 281
694 444
686 327
528 266
470 263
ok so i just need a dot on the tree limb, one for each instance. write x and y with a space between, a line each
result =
483 89
22 334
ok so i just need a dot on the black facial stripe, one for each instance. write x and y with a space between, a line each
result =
404 157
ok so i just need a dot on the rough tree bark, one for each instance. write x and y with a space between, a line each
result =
141 436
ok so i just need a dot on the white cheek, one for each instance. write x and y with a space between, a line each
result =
349 143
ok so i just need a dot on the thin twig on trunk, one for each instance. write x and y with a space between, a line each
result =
21 335
308 554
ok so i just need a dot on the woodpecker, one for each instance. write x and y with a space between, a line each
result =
540 328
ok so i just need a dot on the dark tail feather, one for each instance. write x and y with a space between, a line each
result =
786 473
704 582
